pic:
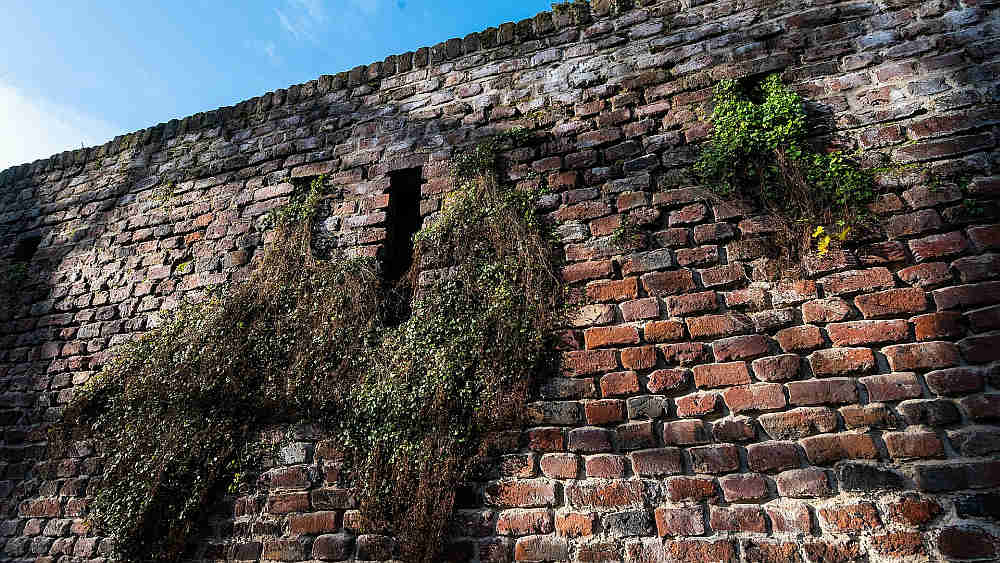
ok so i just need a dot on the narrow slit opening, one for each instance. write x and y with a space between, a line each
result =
403 222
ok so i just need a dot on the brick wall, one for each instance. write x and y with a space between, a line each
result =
707 410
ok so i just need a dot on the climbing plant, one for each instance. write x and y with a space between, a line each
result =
760 149
415 406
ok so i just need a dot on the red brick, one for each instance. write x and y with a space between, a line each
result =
643 357
891 303
721 375
684 521
858 517
587 362
969 542
743 487
523 522
605 466
841 361
690 488
667 380
955 381
688 214
789 516
668 283
977 268
575 524
898 545
982 408
589 440
734 429
822 391
619 383
921 356
739 347
856 333
715 326
545 439
663 331
657 462
803 483
793 292
684 353
686 433
828 310
606 494
909 445
756 397
777 368
981 348
635 435
772 456
587 271
715 459
591 315
986 238
726 274
738 519
314 522
583 210
913 510
700 256
857 281
972 295
540 548
935 246
693 551
799 423
602 336
604 411
560 466
681 305
833 551
287 502
799 338
930 274
524 493
892 387
613 290
826 449
698 404
640 309
937 326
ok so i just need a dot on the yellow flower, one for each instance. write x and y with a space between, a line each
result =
819 230
843 234
824 245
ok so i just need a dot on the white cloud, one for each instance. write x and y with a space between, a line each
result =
302 18
33 128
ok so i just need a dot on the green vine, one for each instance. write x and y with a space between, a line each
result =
759 150
416 407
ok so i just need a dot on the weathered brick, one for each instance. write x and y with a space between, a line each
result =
822 391
663 380
799 423
602 494
589 440
715 326
613 290
540 548
587 362
668 283
521 493
803 483
855 333
743 487
605 466
908 445
698 404
619 383
721 375
892 387
772 456
642 357
846 283
575 524
921 356
756 397
740 347
640 309
682 521
663 331
936 326
936 246
602 336
657 462
841 361
799 338
682 305
524 521
850 517
825 449
686 433
829 310
714 459
559 465
777 368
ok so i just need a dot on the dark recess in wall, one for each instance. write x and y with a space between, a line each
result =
403 222
25 248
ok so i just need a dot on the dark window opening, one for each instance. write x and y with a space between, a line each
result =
403 222
25 248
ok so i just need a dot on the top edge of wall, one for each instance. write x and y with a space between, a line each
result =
565 16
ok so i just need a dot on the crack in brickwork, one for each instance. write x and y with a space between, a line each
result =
706 411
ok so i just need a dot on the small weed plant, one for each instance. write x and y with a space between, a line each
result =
759 150
415 406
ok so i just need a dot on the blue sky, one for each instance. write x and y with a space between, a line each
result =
78 73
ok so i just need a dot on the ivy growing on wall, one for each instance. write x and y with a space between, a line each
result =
760 150
415 406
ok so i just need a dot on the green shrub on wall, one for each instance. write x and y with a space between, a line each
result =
760 150
414 405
